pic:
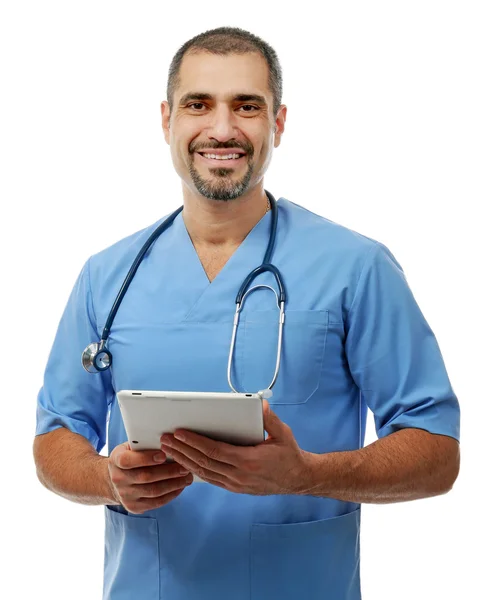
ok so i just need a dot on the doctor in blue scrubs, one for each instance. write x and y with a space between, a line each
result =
280 519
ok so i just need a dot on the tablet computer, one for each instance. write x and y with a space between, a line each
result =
234 418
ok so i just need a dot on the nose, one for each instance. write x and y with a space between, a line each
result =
222 126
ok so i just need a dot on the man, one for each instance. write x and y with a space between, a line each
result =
280 519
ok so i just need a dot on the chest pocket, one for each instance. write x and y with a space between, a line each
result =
302 354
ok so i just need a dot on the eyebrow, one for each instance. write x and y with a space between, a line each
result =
238 98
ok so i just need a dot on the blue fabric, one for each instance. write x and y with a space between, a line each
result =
354 339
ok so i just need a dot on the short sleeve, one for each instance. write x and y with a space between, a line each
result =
70 396
393 355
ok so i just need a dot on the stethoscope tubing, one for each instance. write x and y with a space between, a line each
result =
134 267
97 358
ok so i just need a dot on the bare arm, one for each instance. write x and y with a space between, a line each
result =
68 465
406 465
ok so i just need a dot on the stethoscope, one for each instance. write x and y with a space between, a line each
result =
97 358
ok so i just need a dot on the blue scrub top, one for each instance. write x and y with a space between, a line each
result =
354 338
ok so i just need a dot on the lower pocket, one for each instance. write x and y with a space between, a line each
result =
131 557
315 559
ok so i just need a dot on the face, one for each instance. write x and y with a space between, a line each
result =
222 129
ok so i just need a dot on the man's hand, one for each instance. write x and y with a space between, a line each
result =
141 482
276 466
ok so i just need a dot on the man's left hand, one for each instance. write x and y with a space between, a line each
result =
276 466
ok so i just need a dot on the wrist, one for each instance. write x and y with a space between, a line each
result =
305 481
108 489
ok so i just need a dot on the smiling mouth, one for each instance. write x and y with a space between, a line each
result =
224 160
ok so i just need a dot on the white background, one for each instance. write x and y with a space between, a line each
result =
388 133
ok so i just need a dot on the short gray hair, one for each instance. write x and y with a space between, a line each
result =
223 41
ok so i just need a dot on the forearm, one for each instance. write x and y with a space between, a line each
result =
68 465
406 465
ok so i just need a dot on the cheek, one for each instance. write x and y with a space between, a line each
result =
175 154
263 156
180 161
181 138
263 141
263 151
180 151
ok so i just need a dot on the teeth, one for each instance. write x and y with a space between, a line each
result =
222 157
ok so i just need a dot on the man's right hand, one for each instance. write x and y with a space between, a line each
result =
140 483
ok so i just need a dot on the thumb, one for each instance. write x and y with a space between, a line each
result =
272 423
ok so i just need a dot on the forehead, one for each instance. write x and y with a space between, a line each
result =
224 76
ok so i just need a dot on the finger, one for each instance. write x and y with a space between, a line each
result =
125 458
144 475
273 425
153 503
155 490
203 466
220 451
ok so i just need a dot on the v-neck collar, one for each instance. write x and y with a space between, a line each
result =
224 287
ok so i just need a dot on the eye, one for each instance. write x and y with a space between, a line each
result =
249 106
197 106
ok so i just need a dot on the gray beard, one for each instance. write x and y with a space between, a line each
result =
221 187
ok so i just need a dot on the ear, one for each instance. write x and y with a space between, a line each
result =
279 125
165 111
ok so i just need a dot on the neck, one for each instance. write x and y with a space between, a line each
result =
222 223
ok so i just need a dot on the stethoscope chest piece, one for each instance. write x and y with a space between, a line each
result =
96 358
